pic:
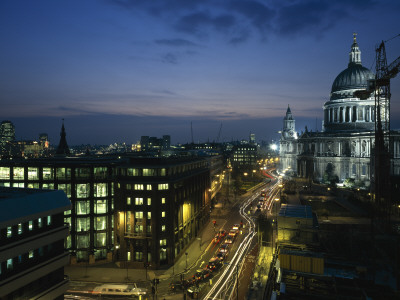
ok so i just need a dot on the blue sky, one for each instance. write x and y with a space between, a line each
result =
119 69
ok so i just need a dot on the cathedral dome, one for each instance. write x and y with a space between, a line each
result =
354 77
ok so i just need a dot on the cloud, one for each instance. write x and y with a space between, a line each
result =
176 43
169 58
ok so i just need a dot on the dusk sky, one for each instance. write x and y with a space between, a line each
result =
116 70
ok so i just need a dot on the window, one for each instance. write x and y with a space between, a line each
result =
163 172
162 200
33 173
18 173
100 223
30 225
101 207
149 172
138 201
148 229
148 187
163 254
9 231
138 228
63 173
48 220
82 190
4 172
128 200
82 224
18 184
82 241
163 242
40 224
100 190
128 186
82 207
163 186
48 173
138 256
9 264
148 201
128 255
139 187
100 172
163 214
30 255
20 228
132 172
162 227
67 212
66 188
48 186
138 215
148 215
82 173
100 239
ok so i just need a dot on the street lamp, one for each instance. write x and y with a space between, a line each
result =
276 217
186 259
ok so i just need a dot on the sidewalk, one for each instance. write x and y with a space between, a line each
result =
111 273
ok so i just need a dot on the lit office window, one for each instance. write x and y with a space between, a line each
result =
82 190
128 200
48 173
162 227
132 172
163 172
82 224
138 215
4 172
162 200
163 186
31 254
138 201
19 228
128 186
163 214
148 201
148 215
100 172
9 231
9 264
163 242
33 173
82 241
100 239
100 189
30 225
163 254
48 186
66 187
63 173
128 255
148 187
101 206
138 256
139 187
48 220
18 173
40 224
149 172
82 207
100 223
82 173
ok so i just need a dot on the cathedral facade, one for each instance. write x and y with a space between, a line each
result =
343 149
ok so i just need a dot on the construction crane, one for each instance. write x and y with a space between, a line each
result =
380 158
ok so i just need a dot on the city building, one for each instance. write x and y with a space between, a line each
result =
32 234
244 156
161 205
342 151
7 137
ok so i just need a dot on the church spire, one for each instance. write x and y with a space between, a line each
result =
355 53
62 148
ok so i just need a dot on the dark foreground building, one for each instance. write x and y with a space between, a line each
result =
32 234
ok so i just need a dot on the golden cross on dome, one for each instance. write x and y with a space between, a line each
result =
354 36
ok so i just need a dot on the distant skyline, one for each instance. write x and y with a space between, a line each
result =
119 69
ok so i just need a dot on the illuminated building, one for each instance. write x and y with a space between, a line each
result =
32 233
342 151
244 156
